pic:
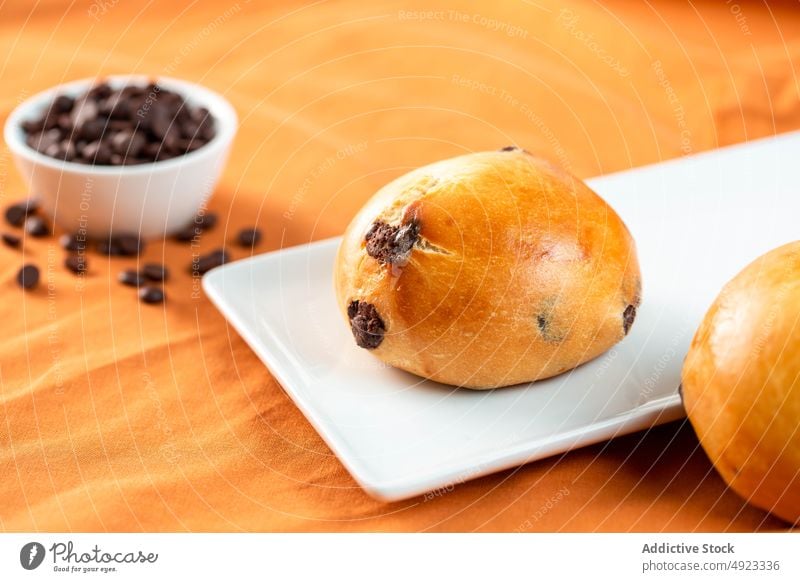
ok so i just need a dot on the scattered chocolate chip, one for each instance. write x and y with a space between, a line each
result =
131 278
72 242
205 263
206 220
17 213
121 246
11 240
366 324
110 247
392 244
627 318
76 263
28 276
249 237
130 245
155 272
188 232
119 126
36 227
150 294
196 227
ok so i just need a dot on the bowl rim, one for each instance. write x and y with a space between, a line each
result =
222 110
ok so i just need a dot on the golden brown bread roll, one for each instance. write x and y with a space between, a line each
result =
741 382
487 270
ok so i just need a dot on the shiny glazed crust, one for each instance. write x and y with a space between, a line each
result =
487 270
741 382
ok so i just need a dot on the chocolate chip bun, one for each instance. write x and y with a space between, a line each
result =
487 270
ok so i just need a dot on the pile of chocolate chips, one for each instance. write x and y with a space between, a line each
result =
123 126
149 280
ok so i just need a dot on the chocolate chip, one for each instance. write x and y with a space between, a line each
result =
31 126
366 324
627 318
155 272
17 213
118 106
63 104
64 123
31 205
207 220
188 233
157 122
131 278
11 240
194 229
28 276
150 294
91 130
76 263
110 247
130 245
125 245
84 111
96 152
205 263
100 91
72 242
392 244
249 237
129 125
128 143
36 227
545 325
542 322
514 149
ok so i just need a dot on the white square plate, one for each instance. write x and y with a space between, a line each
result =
697 221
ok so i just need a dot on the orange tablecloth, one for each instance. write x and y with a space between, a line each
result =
120 416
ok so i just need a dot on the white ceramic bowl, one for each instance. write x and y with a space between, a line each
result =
151 200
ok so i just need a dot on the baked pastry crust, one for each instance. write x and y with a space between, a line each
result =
487 270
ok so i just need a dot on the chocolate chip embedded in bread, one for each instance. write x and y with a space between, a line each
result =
513 148
627 318
544 323
366 324
392 244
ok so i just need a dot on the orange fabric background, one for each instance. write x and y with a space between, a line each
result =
121 416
